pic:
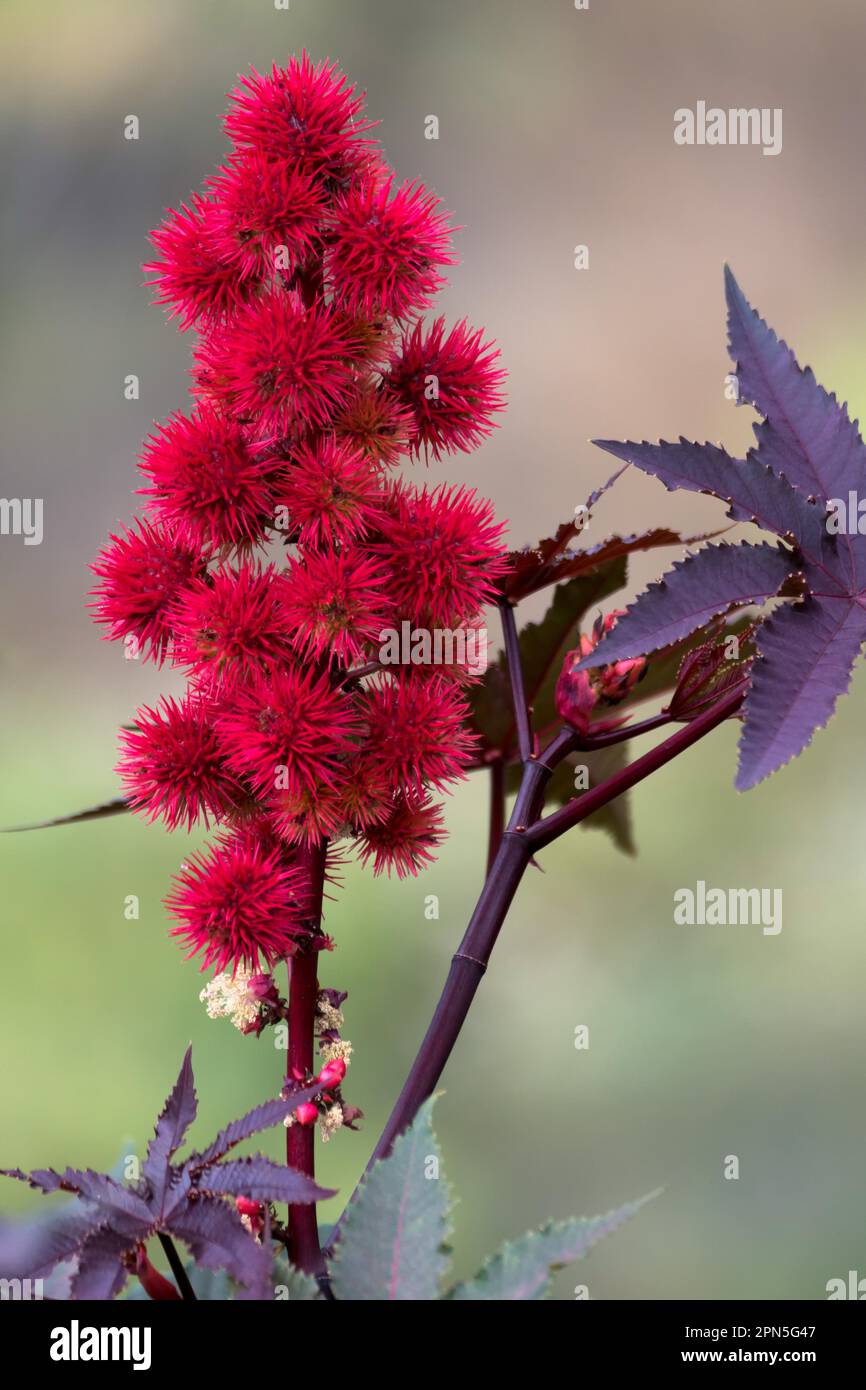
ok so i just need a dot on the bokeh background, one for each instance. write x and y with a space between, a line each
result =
555 129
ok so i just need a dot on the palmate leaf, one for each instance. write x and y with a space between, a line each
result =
171 1127
291 1284
262 1117
32 1249
101 1273
261 1180
806 655
522 1269
690 595
751 489
809 454
217 1238
805 434
392 1245
190 1200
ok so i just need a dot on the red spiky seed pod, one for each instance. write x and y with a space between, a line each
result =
451 386
207 483
384 248
237 904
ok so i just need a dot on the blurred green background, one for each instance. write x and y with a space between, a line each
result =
555 129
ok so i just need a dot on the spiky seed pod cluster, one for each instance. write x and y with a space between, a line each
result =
304 269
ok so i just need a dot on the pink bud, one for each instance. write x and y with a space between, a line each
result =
247 1207
306 1114
332 1072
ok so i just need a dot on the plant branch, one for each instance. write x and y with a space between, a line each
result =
523 837
587 742
515 676
543 832
181 1277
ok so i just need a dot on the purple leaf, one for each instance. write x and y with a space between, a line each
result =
177 1115
217 1238
752 490
261 1180
694 591
101 1273
31 1249
259 1281
265 1116
806 434
807 653
113 1218
129 1210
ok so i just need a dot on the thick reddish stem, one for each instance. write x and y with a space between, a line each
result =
303 992
525 835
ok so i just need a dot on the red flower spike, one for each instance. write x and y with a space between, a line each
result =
141 574
282 365
207 484
173 766
306 1114
237 905
451 387
384 247
403 843
309 117
191 274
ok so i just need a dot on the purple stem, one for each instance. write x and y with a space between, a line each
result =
515 675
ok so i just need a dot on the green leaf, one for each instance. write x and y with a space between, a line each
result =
212 1286
291 1285
522 1269
393 1240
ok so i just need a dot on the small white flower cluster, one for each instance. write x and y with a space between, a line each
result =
228 997
341 1048
327 1016
330 1122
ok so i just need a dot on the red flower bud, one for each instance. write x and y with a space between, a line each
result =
306 1114
332 1072
247 1207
